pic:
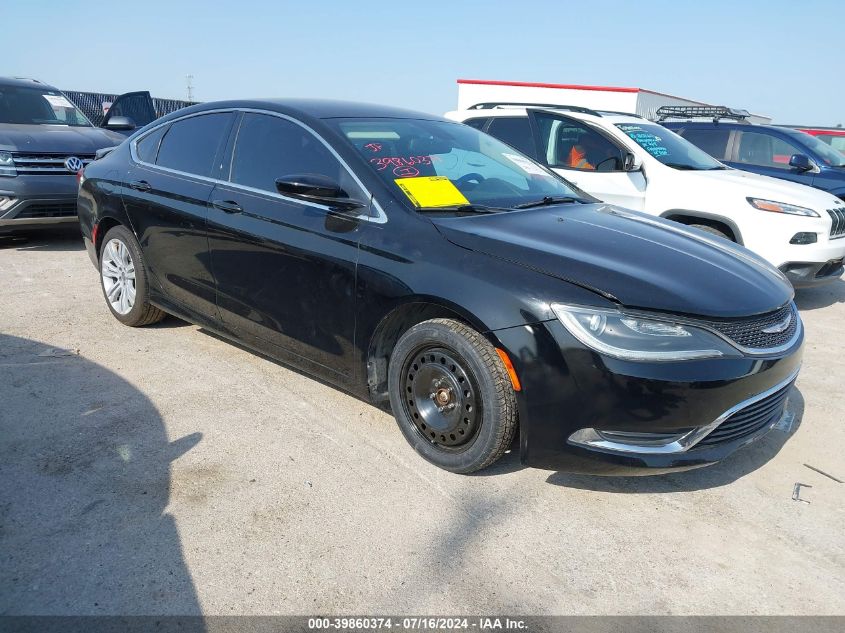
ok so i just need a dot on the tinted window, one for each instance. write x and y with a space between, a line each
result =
269 147
571 144
476 123
765 150
714 142
516 132
147 147
191 144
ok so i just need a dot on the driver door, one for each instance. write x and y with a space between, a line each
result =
588 158
137 106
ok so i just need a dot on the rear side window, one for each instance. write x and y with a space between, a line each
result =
191 144
147 148
270 147
765 150
476 123
516 132
714 142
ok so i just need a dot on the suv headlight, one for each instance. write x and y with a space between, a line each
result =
7 165
638 338
781 207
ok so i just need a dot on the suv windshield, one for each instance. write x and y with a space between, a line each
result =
825 152
38 106
669 148
438 164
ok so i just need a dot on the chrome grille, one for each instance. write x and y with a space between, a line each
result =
749 332
837 227
750 419
30 163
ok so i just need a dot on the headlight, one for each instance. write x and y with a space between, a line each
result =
781 207
7 165
627 337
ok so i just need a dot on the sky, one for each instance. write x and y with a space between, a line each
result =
781 58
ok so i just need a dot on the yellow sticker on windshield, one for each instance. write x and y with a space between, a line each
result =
431 191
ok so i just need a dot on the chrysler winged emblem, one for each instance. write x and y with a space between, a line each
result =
777 328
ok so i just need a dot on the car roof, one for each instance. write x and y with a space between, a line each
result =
317 109
505 111
24 82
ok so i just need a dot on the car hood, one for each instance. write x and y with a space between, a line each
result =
55 139
637 260
750 185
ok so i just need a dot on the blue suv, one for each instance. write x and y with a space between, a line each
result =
763 149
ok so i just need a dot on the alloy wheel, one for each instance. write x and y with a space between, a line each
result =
118 273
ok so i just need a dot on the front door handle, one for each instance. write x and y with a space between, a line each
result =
227 206
140 185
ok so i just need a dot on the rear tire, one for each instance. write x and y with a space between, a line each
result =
460 414
123 278
707 228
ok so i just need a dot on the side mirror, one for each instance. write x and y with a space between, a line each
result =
120 123
800 162
630 162
316 188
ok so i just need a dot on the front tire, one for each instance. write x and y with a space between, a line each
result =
707 228
123 278
451 395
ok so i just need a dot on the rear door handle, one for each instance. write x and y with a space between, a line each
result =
227 206
140 185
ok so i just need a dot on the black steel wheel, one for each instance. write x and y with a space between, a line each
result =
451 395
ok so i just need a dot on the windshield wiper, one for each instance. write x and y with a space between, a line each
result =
463 208
546 201
683 166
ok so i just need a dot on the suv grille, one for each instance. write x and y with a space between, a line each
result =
750 419
837 228
33 164
49 210
749 332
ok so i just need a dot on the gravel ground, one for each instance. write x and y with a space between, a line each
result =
165 471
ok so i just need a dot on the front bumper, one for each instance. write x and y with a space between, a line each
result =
805 274
567 388
37 201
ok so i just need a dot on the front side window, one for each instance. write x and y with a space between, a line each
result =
669 148
191 144
714 141
438 164
765 150
269 148
828 155
574 145
38 106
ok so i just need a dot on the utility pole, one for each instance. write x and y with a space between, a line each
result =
189 84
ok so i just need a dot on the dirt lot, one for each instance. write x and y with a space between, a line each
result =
162 470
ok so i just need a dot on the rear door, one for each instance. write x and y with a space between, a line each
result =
166 193
585 156
137 106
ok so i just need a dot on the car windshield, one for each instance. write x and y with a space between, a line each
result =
38 106
439 164
669 148
825 152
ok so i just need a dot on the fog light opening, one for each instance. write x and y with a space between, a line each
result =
804 238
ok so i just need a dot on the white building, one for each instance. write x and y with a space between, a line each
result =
634 100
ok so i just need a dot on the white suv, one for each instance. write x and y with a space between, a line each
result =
629 161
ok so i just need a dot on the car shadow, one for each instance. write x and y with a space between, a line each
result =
85 463
821 296
58 239
737 465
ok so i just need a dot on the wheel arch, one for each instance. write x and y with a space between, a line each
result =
103 226
399 320
686 216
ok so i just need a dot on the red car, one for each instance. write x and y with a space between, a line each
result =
833 136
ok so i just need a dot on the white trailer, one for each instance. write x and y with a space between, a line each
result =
619 99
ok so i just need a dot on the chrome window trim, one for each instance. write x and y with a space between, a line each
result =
589 438
379 218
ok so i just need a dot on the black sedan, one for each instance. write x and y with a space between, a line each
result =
418 262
